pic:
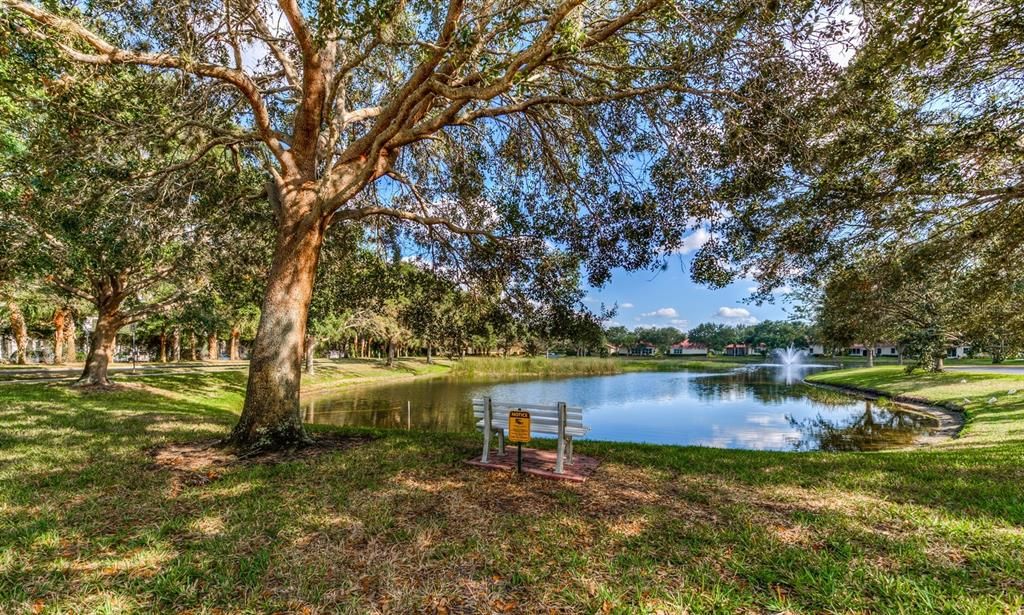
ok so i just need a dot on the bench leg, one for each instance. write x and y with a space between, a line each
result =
560 455
488 415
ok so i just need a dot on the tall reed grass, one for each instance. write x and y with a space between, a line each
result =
575 366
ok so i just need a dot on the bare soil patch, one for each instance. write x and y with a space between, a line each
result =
204 461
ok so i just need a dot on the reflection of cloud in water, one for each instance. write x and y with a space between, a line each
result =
751 439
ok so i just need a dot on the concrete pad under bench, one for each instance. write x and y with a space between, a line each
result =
539 463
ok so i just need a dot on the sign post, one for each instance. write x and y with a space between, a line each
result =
519 432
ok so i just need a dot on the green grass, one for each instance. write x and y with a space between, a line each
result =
400 524
993 414
580 366
334 372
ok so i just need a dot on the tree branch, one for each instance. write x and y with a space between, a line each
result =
107 53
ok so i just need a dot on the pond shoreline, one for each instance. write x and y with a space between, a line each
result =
951 418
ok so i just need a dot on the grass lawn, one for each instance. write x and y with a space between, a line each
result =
399 524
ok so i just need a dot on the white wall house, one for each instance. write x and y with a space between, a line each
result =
643 349
883 349
957 352
686 347
737 350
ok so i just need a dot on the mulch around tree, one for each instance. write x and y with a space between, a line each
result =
539 463
204 461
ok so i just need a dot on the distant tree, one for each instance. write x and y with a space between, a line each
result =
713 335
110 219
769 335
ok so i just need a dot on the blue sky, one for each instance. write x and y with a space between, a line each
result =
670 298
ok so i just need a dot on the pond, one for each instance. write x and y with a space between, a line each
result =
760 407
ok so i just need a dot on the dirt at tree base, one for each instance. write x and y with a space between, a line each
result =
204 461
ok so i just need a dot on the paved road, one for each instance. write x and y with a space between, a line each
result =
1017 370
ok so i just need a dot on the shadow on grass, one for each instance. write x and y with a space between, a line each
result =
401 524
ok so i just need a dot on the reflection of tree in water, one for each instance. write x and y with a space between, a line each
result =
768 386
873 429
385 407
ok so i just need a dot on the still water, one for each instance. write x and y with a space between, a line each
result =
758 407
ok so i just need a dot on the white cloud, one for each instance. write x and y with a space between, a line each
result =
679 322
626 306
665 312
694 241
736 314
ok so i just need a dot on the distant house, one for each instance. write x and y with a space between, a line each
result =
643 349
686 347
958 352
882 349
817 350
887 350
737 350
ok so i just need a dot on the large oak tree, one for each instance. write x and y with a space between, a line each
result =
477 121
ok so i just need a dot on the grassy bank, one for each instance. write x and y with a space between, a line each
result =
400 524
344 372
579 366
993 403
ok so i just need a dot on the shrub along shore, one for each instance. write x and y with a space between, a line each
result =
397 522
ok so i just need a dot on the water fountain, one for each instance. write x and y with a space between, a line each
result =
789 356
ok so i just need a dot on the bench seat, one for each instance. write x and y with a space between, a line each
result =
560 420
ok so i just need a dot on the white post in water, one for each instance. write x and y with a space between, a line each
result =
408 414
488 413
560 458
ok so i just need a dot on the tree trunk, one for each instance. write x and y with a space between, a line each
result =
211 347
58 336
176 344
938 363
101 349
270 416
192 345
70 349
19 331
430 354
871 354
163 345
311 342
390 359
236 334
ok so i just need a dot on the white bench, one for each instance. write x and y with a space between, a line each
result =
561 420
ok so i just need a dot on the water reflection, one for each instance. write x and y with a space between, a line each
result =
759 407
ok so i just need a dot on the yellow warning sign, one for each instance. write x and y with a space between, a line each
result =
518 426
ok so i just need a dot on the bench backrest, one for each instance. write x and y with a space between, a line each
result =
543 418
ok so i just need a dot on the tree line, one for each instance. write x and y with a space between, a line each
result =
763 337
